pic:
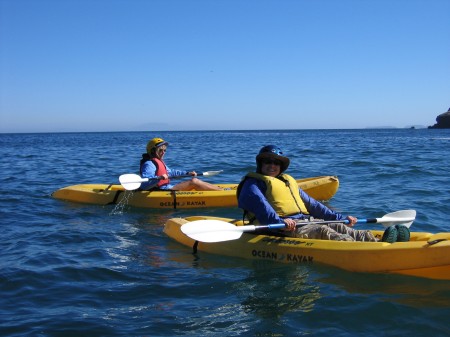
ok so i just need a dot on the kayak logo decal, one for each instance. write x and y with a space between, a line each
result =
172 204
299 258
196 203
289 257
294 258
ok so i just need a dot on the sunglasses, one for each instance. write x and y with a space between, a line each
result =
271 162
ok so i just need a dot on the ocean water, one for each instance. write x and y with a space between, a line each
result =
69 269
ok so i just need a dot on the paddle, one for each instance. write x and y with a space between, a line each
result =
217 230
132 181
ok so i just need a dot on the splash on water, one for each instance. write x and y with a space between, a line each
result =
122 204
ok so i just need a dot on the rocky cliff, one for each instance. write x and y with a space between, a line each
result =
443 121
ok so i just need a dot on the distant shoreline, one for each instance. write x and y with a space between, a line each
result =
218 130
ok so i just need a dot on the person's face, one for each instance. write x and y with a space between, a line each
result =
270 167
161 151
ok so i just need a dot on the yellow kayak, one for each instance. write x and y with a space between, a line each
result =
320 188
425 255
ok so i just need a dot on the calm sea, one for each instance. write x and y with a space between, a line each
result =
70 269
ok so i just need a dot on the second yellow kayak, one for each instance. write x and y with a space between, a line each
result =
320 188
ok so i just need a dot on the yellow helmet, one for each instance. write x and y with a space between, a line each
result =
155 143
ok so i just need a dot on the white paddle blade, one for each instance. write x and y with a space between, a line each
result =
397 222
211 231
131 186
405 217
211 173
131 181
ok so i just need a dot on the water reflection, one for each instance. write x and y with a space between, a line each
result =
122 205
407 290
271 290
263 288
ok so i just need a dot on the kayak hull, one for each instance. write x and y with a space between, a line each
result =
425 255
320 188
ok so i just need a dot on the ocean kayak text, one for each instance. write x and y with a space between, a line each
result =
188 203
295 258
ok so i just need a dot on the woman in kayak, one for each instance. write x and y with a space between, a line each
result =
153 167
270 196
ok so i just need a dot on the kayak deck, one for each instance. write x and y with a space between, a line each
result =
320 188
425 255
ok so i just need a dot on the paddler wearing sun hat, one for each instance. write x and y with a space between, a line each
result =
153 167
270 196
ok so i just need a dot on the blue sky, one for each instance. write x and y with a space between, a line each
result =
135 65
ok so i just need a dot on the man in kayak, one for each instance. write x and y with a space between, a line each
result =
270 196
153 167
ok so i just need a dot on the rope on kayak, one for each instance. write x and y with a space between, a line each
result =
116 196
174 194
194 247
435 241
109 186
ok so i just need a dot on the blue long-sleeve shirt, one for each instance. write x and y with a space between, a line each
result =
148 170
252 198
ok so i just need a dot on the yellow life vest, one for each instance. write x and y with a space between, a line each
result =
282 194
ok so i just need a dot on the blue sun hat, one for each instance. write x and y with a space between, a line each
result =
272 152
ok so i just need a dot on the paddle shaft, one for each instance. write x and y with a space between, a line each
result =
182 176
174 177
323 222
133 181
217 230
143 180
300 223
